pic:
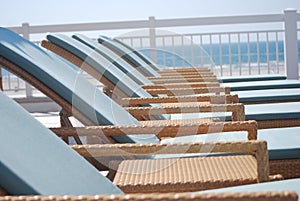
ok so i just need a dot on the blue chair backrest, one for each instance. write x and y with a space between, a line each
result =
128 54
139 54
34 161
115 59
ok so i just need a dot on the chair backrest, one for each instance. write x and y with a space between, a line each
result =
104 67
33 160
115 59
139 54
67 83
129 55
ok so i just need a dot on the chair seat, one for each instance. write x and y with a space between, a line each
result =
259 85
273 111
268 95
250 78
258 112
174 175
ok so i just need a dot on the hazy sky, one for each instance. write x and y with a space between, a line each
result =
42 12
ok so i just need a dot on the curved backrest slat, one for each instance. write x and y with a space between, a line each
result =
33 160
129 55
115 59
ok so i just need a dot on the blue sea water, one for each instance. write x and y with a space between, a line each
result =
221 55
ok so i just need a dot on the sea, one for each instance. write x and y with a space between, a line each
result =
225 54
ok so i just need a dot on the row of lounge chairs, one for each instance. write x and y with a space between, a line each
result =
59 170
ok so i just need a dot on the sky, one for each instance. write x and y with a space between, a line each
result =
43 12
48 12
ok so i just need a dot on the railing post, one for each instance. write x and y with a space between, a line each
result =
26 34
152 38
291 44
1 81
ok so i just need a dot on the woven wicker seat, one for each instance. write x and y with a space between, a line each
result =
33 161
173 175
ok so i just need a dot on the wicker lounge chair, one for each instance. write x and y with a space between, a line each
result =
35 161
26 171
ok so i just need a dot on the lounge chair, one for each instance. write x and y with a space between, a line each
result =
267 115
35 161
84 101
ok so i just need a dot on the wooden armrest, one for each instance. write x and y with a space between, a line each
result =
183 80
185 76
237 109
189 91
161 130
207 73
180 70
182 85
180 99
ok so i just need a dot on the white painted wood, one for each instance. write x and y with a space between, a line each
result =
291 44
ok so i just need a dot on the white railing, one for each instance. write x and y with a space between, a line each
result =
231 53
228 61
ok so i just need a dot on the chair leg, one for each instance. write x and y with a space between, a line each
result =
65 122
1 81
